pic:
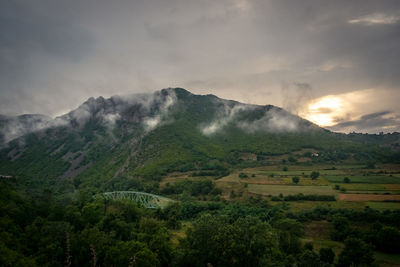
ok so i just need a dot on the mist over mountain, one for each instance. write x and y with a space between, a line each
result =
145 136
152 109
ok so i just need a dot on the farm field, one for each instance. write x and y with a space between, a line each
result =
384 205
275 190
363 187
375 179
360 192
272 181
182 176
297 206
368 197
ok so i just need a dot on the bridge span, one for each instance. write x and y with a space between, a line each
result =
148 200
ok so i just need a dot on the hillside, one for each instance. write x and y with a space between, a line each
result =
133 141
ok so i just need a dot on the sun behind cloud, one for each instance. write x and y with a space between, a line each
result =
363 110
323 111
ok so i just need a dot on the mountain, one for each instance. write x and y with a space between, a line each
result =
133 141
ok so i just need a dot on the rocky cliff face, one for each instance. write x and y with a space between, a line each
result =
133 108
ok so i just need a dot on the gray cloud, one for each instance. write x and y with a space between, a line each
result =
384 121
375 115
55 54
375 18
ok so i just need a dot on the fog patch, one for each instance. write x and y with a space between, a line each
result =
152 109
295 96
274 120
224 117
111 119
152 123
14 127
162 102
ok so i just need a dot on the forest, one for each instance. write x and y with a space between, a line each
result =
43 230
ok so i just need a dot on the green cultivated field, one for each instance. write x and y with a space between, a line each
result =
275 190
384 205
306 171
377 179
364 187
271 180
297 206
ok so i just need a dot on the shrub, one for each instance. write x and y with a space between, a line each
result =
356 253
326 255
300 196
314 175
243 175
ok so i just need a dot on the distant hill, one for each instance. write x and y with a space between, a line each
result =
107 143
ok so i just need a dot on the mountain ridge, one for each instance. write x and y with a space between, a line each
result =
134 141
114 105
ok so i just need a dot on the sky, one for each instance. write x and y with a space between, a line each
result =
335 63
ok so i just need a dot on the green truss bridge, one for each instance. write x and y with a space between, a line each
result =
149 201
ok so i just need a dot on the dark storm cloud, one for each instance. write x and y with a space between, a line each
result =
32 42
372 123
375 115
55 54
318 33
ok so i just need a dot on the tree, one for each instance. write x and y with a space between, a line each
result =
242 175
214 240
309 246
290 232
130 253
309 258
341 228
370 165
296 180
346 180
326 255
356 253
314 175
388 240
173 214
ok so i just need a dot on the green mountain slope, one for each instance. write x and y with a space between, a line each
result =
133 141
